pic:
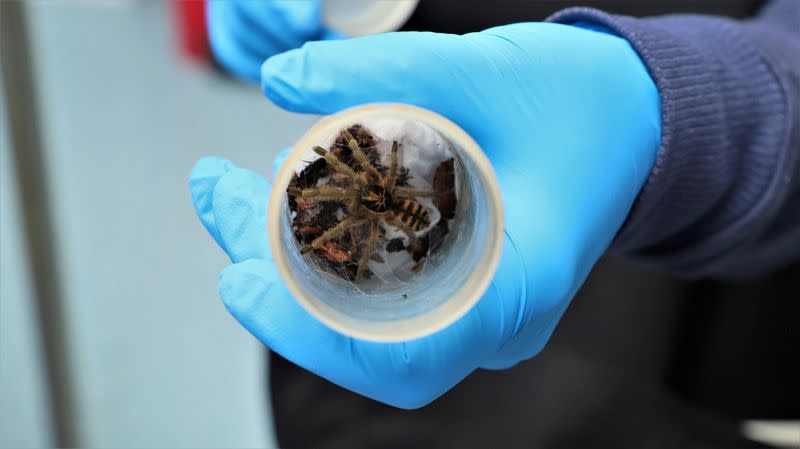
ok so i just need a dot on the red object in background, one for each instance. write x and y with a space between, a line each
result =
190 21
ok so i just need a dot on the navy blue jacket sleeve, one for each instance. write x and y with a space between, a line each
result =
723 199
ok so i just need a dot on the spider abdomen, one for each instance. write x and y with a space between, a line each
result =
411 214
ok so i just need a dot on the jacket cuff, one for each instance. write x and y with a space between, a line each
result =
703 186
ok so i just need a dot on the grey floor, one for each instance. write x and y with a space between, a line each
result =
158 361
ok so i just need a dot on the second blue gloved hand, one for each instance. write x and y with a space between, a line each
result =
244 33
570 121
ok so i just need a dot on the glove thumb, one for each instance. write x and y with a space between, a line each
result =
326 77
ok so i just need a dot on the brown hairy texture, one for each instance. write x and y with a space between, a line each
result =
313 217
365 140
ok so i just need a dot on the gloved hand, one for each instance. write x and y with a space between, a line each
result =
244 33
570 120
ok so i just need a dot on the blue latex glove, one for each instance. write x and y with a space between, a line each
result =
244 33
570 121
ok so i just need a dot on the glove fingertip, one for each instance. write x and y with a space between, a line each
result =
240 202
281 78
210 167
203 179
241 284
255 295
244 184
225 45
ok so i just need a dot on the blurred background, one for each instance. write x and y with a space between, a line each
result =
146 355
112 333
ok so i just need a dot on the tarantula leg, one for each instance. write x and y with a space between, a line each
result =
352 207
338 177
326 236
360 156
389 181
402 192
324 192
339 166
369 249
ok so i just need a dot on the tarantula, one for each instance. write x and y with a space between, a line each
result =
370 198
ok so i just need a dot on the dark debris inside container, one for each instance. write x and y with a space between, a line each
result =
311 218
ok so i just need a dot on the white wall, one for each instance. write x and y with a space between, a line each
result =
159 362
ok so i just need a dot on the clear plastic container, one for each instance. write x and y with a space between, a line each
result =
396 304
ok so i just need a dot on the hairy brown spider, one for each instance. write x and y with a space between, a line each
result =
370 198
